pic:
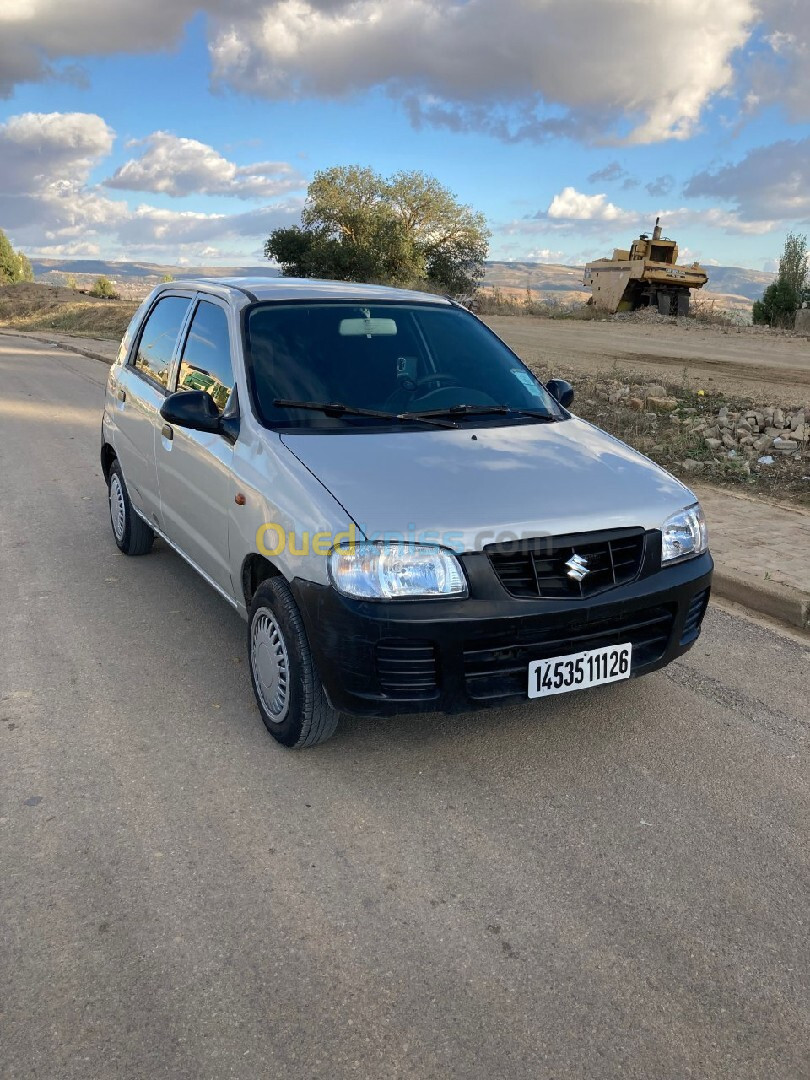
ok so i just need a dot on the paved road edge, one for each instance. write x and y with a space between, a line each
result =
788 605
59 343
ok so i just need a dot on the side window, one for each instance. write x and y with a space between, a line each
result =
206 363
158 338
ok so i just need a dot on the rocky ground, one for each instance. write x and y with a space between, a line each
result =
761 448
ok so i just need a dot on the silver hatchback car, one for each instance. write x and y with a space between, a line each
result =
405 516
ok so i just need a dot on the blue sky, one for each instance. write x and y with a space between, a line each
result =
184 132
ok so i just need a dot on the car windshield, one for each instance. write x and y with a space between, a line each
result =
392 358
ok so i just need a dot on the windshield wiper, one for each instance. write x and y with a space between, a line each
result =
482 410
336 409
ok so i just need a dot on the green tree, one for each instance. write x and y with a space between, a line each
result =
404 230
14 266
7 260
25 272
71 282
166 279
784 296
793 264
777 306
103 289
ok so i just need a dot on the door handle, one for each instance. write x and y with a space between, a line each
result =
121 395
167 432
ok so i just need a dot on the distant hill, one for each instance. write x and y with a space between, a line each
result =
134 279
730 286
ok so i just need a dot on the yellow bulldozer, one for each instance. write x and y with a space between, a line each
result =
648 275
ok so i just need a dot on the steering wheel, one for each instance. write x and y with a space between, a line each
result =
439 377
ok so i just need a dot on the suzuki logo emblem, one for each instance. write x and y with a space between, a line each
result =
577 567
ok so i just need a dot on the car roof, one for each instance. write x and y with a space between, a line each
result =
284 288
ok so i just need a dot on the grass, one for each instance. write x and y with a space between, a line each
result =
39 307
493 301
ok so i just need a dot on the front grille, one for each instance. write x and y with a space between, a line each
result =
407 668
499 666
694 616
533 568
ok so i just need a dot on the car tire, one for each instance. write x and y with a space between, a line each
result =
288 689
132 535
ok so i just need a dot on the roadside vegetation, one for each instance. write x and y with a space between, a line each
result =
783 298
103 289
45 307
494 301
14 265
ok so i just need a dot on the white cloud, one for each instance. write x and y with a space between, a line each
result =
573 212
36 36
68 251
641 70
151 227
544 255
36 145
769 182
573 205
47 159
657 63
48 207
176 166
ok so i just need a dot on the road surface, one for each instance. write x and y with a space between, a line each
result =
612 884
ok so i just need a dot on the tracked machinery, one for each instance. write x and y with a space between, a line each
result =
648 275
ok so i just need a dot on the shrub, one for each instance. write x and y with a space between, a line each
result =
103 289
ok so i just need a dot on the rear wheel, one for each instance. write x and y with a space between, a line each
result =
132 535
285 680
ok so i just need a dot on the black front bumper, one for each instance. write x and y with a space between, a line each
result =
387 657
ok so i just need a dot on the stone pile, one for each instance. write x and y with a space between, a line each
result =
753 435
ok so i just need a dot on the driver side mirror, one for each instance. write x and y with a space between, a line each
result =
561 391
193 409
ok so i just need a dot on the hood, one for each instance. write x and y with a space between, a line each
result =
469 487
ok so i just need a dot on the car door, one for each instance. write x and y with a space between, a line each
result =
195 468
139 393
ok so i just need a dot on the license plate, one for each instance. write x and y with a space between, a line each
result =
561 674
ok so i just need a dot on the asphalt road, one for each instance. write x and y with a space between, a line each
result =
612 884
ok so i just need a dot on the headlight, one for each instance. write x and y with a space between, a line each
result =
396 572
684 535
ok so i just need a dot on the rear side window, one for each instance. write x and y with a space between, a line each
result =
158 338
206 363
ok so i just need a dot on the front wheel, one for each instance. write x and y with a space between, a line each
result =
288 691
132 535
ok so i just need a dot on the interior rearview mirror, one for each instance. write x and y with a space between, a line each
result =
367 328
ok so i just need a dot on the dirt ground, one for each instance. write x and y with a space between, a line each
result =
767 366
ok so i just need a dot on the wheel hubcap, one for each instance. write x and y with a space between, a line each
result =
118 509
270 663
